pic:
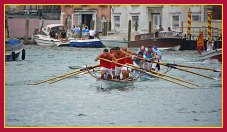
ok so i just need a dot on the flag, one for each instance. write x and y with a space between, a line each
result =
200 43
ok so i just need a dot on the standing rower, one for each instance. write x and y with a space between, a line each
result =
128 60
120 56
105 66
112 51
158 57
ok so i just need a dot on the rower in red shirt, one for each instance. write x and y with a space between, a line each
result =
112 51
106 66
128 60
120 56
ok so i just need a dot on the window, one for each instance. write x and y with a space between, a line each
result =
117 21
175 22
195 18
156 21
134 20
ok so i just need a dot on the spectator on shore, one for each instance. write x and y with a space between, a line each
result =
92 34
41 23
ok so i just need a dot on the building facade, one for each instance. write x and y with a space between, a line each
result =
92 16
166 15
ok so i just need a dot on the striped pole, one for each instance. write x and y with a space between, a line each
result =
189 24
209 25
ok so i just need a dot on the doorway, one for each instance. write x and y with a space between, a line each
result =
86 19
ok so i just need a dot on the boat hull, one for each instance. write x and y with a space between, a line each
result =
213 54
43 40
104 83
89 43
161 43
13 49
10 57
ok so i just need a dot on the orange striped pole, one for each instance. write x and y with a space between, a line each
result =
189 23
209 25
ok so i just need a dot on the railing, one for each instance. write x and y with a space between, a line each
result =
195 31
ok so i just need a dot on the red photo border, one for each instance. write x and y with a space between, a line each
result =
103 2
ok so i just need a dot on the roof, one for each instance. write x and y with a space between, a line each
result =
48 27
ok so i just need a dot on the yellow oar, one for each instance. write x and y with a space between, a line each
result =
180 69
70 75
167 76
67 76
192 72
75 71
180 65
148 73
195 67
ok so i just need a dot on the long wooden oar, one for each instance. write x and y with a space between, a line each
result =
75 71
195 67
192 72
67 76
148 73
181 69
70 75
180 65
166 75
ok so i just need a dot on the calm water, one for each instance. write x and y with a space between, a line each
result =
78 101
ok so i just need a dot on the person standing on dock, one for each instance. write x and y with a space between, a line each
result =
41 23
92 33
106 66
210 45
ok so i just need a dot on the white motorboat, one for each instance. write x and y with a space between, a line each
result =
44 39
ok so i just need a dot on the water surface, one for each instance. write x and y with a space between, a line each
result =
78 101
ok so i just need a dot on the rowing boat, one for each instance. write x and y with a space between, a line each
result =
115 83
112 83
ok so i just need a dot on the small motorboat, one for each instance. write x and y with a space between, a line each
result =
87 43
13 48
44 38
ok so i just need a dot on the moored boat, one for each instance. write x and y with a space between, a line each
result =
44 39
13 48
163 40
88 43
212 54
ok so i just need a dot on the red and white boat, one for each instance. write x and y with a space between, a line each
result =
212 54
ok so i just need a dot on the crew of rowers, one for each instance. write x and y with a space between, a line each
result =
113 63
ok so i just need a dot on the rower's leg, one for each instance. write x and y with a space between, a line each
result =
113 72
124 73
109 76
102 74
153 66
118 72
127 73
109 73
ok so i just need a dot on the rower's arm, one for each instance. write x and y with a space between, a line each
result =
125 53
113 58
154 56
98 57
